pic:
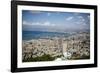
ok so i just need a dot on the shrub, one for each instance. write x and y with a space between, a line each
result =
45 57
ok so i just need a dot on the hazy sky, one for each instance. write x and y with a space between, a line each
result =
54 21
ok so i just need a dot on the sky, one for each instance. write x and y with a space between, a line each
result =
54 21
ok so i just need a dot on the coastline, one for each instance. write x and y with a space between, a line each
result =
55 47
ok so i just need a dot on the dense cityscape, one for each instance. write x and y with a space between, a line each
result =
74 47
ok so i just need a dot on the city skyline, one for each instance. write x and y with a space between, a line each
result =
53 44
47 21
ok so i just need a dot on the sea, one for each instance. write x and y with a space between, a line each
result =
28 35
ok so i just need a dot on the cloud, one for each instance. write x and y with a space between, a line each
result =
48 14
84 24
78 22
88 16
25 23
35 23
29 23
46 23
81 21
69 18
80 17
